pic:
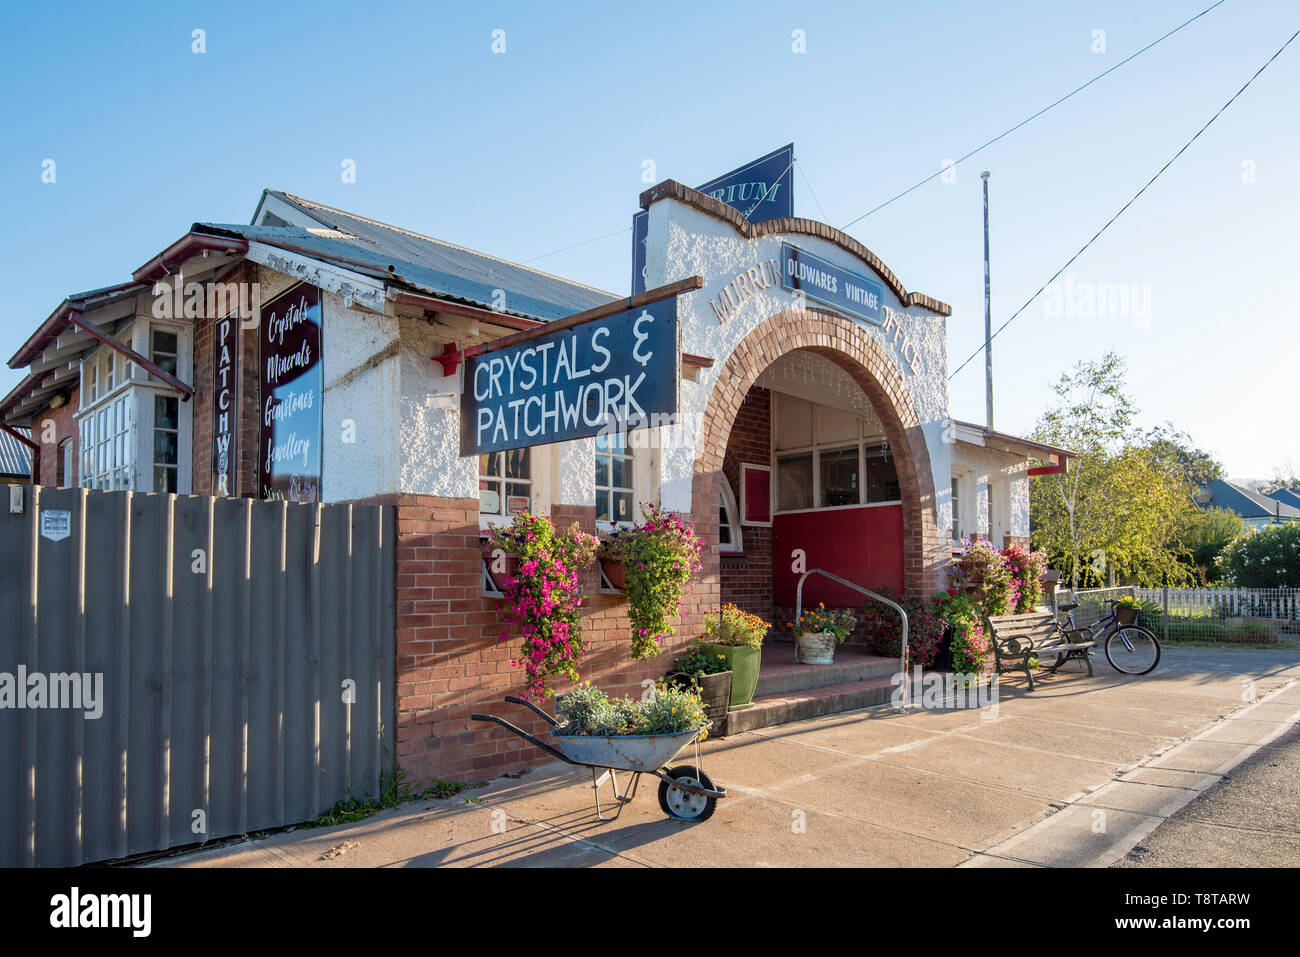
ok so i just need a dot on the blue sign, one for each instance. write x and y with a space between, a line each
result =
616 374
828 283
640 227
763 189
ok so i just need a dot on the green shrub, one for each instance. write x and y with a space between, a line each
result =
1267 558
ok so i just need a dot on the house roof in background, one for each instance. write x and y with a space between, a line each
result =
1287 496
1245 502
15 458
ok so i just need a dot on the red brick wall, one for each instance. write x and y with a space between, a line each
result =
746 580
247 399
65 426
452 662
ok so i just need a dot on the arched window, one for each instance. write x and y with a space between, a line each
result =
729 534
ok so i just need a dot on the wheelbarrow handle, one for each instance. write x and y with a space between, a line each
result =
526 736
528 704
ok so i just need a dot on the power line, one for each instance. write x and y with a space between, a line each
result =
1071 260
1035 116
595 239
811 191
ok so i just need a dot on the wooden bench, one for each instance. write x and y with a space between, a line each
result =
1018 638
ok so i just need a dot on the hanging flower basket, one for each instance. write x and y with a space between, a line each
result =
1126 614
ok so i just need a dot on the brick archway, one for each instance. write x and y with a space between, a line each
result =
926 549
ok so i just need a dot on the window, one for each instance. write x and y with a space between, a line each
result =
825 458
505 483
956 509
615 497
67 464
882 477
166 443
106 459
729 535
164 349
839 477
794 482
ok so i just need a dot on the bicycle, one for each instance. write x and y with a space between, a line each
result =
1130 648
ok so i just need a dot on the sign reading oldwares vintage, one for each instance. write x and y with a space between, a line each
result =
609 375
289 460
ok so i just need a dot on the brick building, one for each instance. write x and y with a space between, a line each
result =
316 355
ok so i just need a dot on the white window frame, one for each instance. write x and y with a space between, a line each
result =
135 470
503 516
815 448
629 453
735 516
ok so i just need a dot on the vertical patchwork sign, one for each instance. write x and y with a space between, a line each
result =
225 349
289 457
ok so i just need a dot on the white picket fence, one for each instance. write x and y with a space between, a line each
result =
1275 603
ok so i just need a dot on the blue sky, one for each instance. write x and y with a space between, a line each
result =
530 151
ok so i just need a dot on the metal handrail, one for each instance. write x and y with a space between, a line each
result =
798 614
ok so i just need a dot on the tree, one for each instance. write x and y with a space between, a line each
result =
1175 451
1205 536
1120 506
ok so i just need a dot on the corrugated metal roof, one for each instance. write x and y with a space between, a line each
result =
425 264
15 458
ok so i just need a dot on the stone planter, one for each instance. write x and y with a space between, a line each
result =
817 647
615 571
744 662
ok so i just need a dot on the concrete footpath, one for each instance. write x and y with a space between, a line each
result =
1251 818
1075 774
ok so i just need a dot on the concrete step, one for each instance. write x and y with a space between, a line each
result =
781 675
799 704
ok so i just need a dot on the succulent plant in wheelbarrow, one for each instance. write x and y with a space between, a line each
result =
639 735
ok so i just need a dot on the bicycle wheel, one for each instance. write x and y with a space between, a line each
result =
1139 655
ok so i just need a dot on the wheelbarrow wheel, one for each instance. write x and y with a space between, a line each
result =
682 804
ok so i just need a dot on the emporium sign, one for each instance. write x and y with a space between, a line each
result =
761 189
289 460
610 374
225 346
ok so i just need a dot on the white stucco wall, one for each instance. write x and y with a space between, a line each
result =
683 241
980 466
360 454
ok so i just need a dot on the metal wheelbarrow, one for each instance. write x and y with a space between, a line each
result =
685 791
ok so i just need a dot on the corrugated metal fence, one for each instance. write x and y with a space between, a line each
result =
235 662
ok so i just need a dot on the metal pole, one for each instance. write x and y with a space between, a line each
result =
988 312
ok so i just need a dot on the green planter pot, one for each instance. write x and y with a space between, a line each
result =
744 662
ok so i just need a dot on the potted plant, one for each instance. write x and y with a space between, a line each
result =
818 631
544 598
738 637
1126 610
708 673
884 629
658 554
